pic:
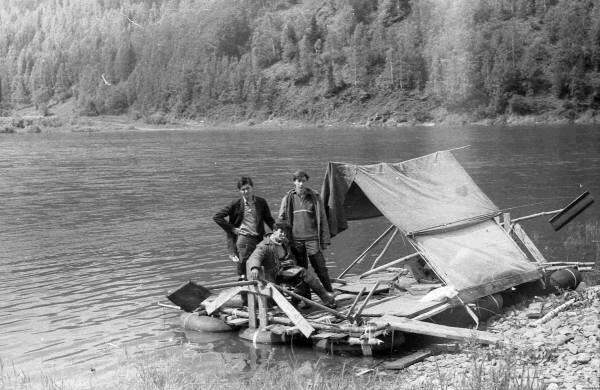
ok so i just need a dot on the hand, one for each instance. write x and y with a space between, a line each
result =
236 231
234 258
324 246
254 274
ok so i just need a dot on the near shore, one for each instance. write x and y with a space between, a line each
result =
64 117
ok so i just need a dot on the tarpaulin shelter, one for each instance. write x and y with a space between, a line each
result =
442 212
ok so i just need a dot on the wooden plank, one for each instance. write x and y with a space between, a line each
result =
221 299
449 332
406 361
520 233
262 310
535 310
293 314
506 222
252 320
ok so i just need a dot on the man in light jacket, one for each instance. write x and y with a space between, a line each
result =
303 210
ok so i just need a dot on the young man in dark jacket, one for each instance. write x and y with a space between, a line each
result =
274 259
303 210
243 220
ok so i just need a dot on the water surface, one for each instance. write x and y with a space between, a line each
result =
95 228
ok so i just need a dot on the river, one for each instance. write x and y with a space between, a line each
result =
96 228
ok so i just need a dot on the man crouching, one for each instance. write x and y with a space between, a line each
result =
274 255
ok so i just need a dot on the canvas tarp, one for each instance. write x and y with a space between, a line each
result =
437 205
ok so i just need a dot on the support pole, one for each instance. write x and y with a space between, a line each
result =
385 248
391 263
536 215
362 255
364 304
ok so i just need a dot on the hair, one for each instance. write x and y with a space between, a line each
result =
284 226
243 181
299 174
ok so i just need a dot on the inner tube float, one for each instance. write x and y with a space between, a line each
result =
204 323
565 279
261 336
488 306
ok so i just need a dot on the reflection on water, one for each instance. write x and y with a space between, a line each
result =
96 228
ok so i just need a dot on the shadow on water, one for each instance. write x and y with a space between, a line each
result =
96 228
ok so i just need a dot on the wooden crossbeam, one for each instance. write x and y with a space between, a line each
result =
221 299
299 321
520 233
419 327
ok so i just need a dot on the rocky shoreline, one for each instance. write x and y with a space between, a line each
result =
561 352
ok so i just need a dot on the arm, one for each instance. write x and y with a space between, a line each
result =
255 261
220 220
282 209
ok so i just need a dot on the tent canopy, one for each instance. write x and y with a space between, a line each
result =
444 214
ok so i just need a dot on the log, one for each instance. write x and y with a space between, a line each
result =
552 313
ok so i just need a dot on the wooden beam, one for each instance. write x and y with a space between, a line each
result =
520 233
231 284
385 248
419 327
363 254
406 361
535 215
506 221
311 302
364 304
299 321
221 299
252 319
262 309
391 263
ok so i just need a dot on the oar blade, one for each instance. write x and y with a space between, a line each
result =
189 296
572 210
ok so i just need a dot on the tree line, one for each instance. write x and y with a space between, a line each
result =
295 58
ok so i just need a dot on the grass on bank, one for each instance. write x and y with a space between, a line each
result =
178 369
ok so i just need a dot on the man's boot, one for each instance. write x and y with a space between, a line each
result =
327 298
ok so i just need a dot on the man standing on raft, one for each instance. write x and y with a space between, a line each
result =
303 210
243 220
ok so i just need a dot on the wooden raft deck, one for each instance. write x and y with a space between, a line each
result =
368 311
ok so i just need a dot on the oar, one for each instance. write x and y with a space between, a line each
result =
572 210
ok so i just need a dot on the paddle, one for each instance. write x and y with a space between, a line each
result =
573 209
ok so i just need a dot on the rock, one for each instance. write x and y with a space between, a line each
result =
581 287
583 358
572 348
552 386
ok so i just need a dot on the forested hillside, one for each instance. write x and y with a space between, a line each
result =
407 60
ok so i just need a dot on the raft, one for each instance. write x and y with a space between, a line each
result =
467 260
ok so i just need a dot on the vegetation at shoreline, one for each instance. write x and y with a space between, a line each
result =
390 61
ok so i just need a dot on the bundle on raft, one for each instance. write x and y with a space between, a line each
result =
468 258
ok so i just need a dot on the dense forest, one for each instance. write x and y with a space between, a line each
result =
407 60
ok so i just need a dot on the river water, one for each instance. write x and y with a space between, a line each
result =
96 228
